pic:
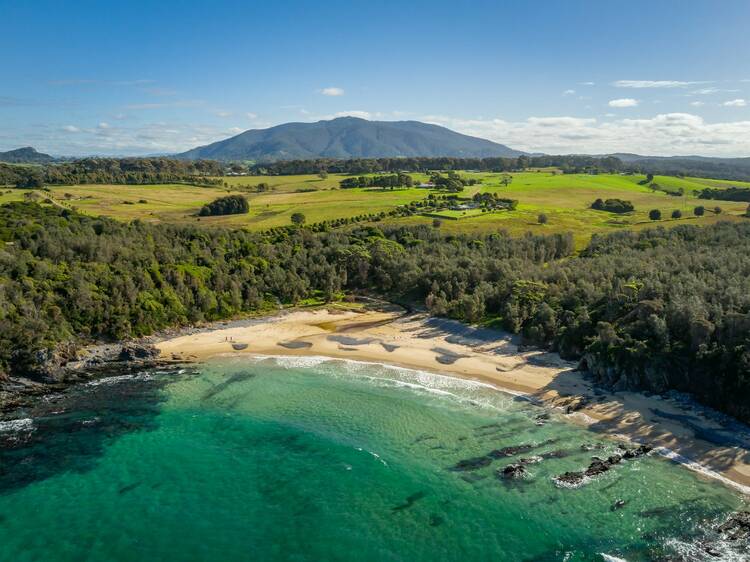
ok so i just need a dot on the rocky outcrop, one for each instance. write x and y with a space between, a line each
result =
516 470
47 364
600 466
630 377
737 527
138 352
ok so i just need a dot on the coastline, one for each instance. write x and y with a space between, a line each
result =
678 429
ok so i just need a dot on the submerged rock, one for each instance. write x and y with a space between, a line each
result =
509 451
410 501
471 464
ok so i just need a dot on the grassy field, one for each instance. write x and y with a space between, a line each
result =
564 199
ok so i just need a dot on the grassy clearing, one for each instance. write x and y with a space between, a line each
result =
565 199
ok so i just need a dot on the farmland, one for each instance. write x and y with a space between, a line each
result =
564 199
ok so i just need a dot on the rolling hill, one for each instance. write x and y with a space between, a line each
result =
26 155
348 137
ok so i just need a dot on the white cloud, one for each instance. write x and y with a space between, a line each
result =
569 92
332 91
71 129
251 116
653 84
697 103
103 125
664 134
623 102
709 91
735 103
354 113
222 113
587 83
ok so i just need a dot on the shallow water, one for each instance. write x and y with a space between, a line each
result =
313 459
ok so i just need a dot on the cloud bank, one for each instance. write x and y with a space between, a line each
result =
665 134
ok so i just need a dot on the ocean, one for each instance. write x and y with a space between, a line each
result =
309 458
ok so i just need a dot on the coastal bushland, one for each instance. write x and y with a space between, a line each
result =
658 309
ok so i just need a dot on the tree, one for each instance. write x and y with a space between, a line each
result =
323 174
676 214
437 223
542 219
506 180
298 219
654 214
699 211
717 210
649 178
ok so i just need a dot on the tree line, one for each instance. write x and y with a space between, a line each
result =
568 163
658 309
113 170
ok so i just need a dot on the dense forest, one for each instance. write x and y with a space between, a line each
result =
114 171
658 309
736 169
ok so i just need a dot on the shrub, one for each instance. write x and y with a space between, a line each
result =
542 219
654 214
676 214
699 211
717 210
298 218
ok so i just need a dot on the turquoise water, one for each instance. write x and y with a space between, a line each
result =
312 459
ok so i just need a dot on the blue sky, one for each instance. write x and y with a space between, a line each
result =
657 77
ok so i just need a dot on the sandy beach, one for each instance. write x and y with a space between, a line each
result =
690 435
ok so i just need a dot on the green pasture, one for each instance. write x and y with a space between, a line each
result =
564 199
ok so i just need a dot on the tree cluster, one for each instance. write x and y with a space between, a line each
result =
229 205
728 194
385 181
613 205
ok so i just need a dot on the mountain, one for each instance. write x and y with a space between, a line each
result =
348 137
26 155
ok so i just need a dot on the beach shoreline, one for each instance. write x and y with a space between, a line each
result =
677 429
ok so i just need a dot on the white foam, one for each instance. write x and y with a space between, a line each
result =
610 558
697 467
22 424
120 378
